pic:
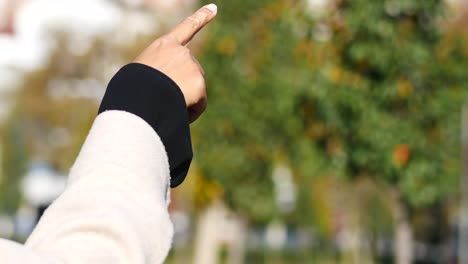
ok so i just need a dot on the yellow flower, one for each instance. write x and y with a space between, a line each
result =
405 88
227 46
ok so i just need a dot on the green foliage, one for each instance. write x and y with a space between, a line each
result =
14 161
367 89
398 114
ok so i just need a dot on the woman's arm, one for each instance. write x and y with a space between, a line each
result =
114 208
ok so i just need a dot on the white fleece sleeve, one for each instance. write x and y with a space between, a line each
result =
115 206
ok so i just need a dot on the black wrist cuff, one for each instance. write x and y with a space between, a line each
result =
153 96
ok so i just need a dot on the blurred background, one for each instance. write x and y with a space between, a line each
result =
336 132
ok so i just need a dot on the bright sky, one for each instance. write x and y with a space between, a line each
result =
29 47
36 20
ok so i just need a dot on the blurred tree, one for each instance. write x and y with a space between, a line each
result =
59 102
14 160
353 89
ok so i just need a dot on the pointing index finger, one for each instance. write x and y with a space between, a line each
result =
187 29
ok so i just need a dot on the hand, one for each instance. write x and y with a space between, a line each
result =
170 55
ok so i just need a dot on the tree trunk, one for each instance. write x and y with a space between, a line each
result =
403 240
207 243
218 227
237 249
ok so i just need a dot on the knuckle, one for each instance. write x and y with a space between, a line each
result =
156 43
201 83
166 40
202 14
195 72
199 17
193 21
196 69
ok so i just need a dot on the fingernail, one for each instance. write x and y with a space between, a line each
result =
212 7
